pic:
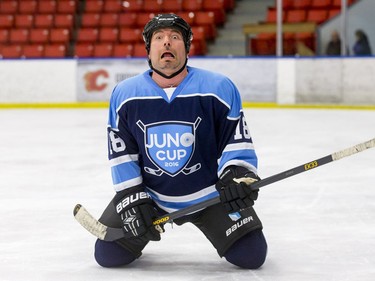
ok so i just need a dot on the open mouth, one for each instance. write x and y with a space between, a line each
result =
167 55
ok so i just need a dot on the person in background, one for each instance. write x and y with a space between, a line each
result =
177 136
334 45
361 46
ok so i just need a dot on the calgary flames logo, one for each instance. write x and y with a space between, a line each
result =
92 80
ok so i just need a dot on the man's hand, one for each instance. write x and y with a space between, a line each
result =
137 212
234 188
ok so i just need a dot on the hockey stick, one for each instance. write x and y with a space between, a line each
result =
107 233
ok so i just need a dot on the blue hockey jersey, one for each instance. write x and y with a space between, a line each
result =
177 147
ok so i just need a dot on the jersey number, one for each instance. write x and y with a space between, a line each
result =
117 144
242 131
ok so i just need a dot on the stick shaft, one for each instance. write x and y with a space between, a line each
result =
278 177
110 234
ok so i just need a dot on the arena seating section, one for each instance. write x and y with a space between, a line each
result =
98 28
295 11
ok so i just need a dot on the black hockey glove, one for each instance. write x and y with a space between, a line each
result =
137 213
234 188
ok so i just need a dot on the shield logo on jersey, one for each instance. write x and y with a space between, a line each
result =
170 146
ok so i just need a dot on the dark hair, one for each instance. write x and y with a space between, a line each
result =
361 34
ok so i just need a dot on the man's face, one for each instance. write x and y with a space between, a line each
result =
167 50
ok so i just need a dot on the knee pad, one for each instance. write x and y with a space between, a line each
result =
111 254
249 251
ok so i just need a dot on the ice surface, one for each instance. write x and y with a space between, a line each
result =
320 225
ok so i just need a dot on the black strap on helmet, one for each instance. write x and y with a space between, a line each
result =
168 21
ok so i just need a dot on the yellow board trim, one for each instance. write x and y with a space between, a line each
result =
82 105
78 105
306 106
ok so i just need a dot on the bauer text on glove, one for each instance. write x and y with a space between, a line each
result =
137 212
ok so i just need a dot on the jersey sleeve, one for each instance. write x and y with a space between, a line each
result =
123 152
236 144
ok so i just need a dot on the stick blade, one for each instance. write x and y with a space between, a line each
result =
76 209
89 222
95 227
